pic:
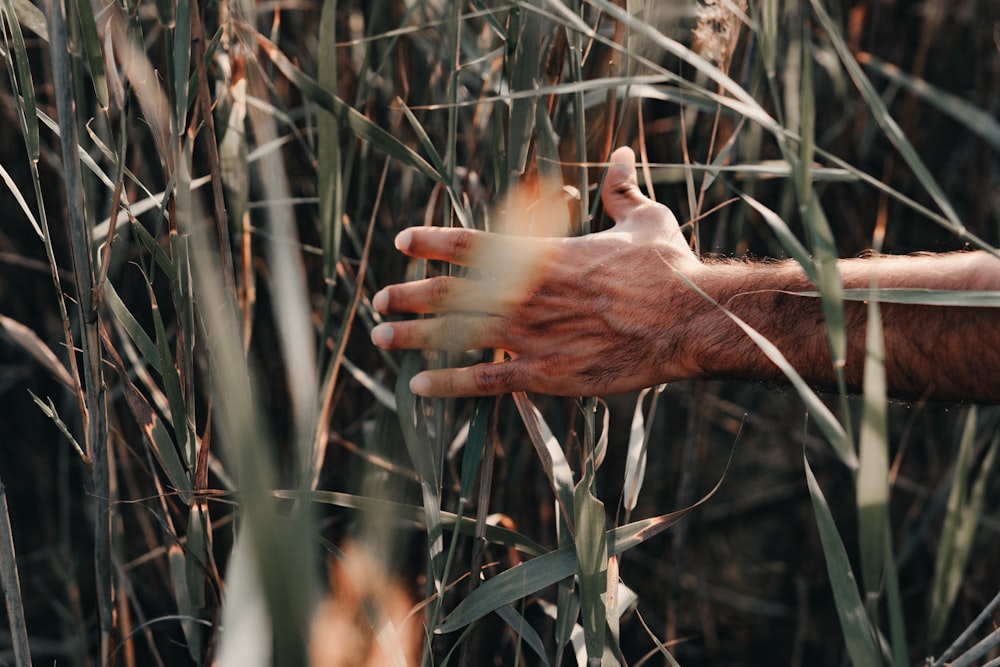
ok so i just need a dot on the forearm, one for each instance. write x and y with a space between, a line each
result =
930 351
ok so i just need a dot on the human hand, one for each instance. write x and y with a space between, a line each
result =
598 314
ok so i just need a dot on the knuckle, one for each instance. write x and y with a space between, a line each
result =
499 378
438 291
460 242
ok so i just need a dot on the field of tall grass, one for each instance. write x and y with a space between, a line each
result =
204 460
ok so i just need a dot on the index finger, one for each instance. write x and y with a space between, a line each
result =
495 253
456 245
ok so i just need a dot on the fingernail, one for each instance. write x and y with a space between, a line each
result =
420 385
381 301
403 240
382 335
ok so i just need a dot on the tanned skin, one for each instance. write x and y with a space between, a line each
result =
615 311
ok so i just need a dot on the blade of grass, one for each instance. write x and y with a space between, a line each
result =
824 247
527 38
22 84
421 448
95 415
155 434
859 635
92 46
328 176
965 506
878 566
185 606
550 454
247 643
592 566
635 456
150 351
972 117
872 486
19 198
281 547
523 630
287 286
31 17
29 341
347 115
12 586
788 241
927 297
172 387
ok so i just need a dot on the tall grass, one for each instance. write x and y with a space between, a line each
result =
200 219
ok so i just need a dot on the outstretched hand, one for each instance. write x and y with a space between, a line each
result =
597 314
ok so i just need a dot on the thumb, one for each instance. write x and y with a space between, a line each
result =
625 202
621 194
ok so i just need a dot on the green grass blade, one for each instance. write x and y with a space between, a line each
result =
475 444
185 606
19 198
592 564
897 620
550 454
972 117
23 85
30 342
447 172
872 484
157 438
31 17
525 69
95 56
234 159
824 247
859 635
171 383
964 509
12 586
785 236
925 297
523 630
290 299
423 453
329 179
248 641
511 585
635 456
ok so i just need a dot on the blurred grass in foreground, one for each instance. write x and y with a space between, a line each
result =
202 201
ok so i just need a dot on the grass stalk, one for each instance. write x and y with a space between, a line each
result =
12 586
95 416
